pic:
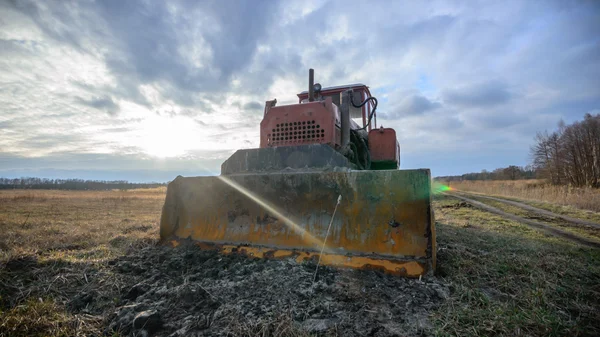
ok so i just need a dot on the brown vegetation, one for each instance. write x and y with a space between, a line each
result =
512 280
87 263
36 221
536 190
68 258
573 231
58 240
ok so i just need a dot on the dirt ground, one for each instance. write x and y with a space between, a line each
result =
204 293
89 264
183 291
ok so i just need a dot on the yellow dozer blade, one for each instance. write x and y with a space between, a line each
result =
384 220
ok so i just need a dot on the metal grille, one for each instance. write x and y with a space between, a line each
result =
296 132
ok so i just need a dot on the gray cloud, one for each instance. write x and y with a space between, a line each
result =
46 18
478 95
469 77
105 104
220 37
253 106
118 129
127 89
6 124
498 119
181 44
412 105
42 141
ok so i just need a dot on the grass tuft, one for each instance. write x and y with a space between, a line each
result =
43 317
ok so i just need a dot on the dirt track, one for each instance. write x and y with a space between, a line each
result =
539 225
536 210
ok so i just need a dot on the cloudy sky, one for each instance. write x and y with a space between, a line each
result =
146 90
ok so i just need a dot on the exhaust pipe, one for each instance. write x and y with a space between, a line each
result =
345 118
311 84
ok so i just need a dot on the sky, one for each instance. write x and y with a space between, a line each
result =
148 90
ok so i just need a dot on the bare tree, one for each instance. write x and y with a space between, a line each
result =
512 172
570 155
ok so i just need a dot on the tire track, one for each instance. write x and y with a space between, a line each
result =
535 224
536 210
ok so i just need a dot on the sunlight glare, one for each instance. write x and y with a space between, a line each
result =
287 221
166 137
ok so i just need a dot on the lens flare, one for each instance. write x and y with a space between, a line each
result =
287 221
440 188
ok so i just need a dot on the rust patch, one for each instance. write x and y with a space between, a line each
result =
404 268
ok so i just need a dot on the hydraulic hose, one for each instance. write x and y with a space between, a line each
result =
361 105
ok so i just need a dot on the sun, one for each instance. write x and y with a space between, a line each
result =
167 137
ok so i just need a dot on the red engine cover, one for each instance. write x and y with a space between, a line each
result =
384 145
301 124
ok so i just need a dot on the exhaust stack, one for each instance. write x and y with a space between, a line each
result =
311 85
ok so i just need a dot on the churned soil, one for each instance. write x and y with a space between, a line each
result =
88 263
186 291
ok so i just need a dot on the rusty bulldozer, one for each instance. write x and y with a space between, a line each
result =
278 200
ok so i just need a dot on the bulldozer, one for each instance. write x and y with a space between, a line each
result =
325 183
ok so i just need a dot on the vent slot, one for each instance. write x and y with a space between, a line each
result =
296 132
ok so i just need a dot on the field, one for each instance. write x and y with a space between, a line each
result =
86 263
536 191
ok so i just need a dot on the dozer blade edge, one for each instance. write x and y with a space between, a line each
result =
384 220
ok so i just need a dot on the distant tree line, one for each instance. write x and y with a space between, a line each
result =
71 184
571 154
511 172
567 156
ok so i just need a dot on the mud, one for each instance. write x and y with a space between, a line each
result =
185 291
457 205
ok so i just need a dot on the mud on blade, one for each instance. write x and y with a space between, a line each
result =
384 220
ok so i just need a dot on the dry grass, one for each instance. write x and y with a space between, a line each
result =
39 317
55 243
75 219
506 279
510 280
581 230
535 190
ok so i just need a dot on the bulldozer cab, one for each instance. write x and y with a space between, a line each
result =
360 92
